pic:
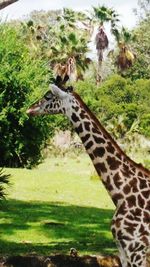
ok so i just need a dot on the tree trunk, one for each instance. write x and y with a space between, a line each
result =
5 3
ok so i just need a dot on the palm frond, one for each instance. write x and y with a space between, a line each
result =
105 14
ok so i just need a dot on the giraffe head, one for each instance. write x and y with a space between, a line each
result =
55 101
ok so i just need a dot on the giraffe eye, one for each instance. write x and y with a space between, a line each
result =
48 95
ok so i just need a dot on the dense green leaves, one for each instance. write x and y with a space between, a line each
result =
119 97
141 48
22 80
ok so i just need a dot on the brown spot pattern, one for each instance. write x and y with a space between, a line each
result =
100 167
131 200
98 139
89 145
113 163
110 148
85 138
99 152
127 189
117 180
141 201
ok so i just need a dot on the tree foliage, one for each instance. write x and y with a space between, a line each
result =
140 43
141 47
102 14
22 79
56 36
117 97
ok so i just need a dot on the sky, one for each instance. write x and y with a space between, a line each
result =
24 7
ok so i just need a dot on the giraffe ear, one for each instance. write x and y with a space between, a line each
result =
57 91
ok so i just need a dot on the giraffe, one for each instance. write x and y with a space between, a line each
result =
127 182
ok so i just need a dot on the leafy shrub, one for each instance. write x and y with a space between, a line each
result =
22 80
145 125
119 96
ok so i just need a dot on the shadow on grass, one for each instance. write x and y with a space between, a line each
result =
63 225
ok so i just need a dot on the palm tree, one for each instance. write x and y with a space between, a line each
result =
101 43
71 40
103 14
65 37
126 57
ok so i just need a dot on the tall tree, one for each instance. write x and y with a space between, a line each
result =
57 38
126 57
103 14
141 67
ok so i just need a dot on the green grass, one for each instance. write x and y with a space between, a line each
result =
55 207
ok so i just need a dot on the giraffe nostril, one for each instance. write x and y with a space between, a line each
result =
33 110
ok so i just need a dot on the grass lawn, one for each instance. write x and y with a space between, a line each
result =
55 207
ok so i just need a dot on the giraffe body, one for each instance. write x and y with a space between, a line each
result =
127 182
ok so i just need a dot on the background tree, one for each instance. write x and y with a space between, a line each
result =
125 57
119 101
140 44
73 35
103 15
58 37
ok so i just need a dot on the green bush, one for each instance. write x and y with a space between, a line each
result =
145 125
22 80
119 96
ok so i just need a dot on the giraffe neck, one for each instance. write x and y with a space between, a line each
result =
114 167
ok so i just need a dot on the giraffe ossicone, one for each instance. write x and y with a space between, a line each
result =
127 182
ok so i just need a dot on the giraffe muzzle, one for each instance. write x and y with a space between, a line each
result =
33 111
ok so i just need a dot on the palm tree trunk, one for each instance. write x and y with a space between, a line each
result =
5 3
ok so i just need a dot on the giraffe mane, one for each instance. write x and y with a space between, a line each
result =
99 125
